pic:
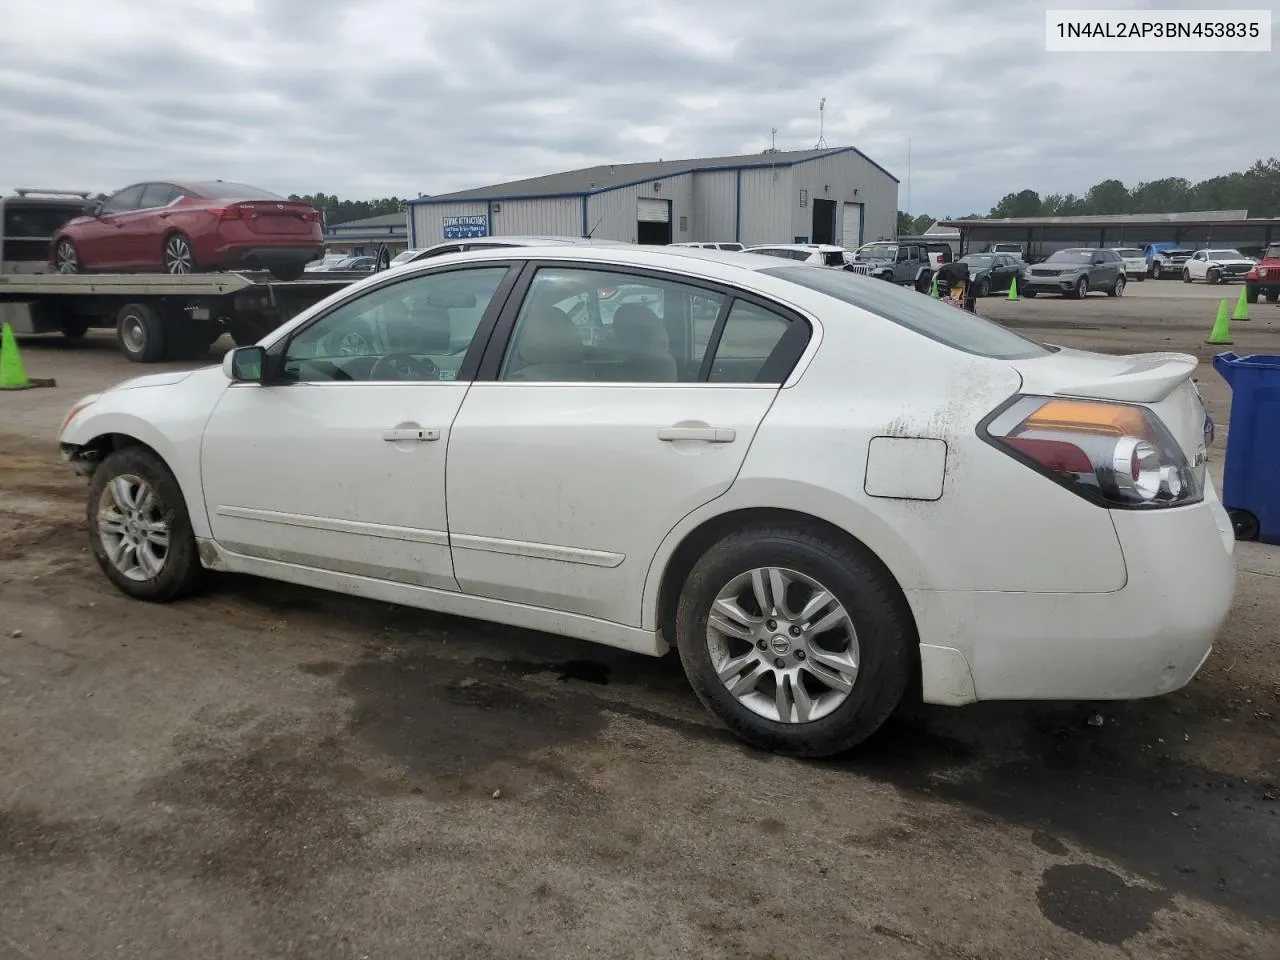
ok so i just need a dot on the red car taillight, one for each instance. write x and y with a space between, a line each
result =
1114 454
311 216
229 213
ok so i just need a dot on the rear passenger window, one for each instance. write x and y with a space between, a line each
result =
751 336
156 195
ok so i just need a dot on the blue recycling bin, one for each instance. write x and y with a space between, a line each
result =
1251 473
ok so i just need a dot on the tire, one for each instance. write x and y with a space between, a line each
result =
140 333
1244 525
1141 277
887 646
288 271
177 256
1028 294
1273 296
66 257
984 287
1212 277
1186 276
1117 288
1080 290
885 276
187 338
112 527
1156 272
1250 293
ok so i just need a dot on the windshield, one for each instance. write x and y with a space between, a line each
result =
928 317
1070 256
1226 255
978 260
879 251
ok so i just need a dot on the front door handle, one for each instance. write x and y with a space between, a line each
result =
421 434
707 434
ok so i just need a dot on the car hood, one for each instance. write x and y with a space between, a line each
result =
154 380
1233 260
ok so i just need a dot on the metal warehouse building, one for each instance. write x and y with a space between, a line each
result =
836 195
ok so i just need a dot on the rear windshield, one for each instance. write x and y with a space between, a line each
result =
931 318
225 190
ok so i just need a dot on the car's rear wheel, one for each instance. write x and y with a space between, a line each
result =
66 257
139 529
179 258
799 644
140 333
1117 288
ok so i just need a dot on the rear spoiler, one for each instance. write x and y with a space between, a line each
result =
1149 379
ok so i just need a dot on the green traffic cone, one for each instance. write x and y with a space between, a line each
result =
1242 307
933 287
13 376
1013 289
1221 333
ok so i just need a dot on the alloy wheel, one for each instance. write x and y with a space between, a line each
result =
67 259
177 255
783 645
134 532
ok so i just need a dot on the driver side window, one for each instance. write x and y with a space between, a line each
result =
419 329
127 199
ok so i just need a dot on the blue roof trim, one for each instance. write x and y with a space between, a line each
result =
760 165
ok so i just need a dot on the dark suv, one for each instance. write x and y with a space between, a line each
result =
1075 271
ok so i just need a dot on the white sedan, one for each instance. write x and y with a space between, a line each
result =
815 485
1217 266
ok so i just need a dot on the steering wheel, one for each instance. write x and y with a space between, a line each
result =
404 366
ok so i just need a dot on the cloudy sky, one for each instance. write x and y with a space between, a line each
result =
369 98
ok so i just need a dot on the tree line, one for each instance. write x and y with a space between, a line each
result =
343 211
1256 190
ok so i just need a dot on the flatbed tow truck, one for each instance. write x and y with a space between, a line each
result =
161 316
156 316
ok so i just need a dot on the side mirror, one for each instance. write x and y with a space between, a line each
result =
245 364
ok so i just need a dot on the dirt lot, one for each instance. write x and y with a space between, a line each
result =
265 771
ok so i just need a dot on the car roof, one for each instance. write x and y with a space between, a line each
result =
807 247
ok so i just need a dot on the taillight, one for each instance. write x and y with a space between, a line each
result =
1114 454
228 213
311 216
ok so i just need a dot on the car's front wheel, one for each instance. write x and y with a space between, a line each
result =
1186 275
984 287
800 644
1213 276
66 257
1080 290
139 529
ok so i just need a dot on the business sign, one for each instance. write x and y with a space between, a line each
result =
460 228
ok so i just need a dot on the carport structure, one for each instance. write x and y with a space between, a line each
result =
1040 236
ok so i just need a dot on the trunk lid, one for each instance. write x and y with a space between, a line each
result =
277 217
1159 381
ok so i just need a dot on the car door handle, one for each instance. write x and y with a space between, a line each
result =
421 434
707 434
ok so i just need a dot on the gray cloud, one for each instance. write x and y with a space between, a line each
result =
374 97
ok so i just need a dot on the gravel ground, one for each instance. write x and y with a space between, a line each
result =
269 771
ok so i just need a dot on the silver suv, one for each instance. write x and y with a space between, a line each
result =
1076 271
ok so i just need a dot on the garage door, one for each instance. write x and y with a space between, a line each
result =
851 226
653 211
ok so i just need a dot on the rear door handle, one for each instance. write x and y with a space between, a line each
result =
707 434
421 434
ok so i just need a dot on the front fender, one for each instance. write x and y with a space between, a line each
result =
169 419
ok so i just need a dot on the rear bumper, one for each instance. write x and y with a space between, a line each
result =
1146 639
266 256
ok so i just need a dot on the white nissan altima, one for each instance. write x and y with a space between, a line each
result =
818 487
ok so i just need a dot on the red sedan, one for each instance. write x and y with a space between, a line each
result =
184 227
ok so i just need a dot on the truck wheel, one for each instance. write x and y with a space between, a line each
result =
1155 271
189 339
1273 295
73 328
140 333
1250 293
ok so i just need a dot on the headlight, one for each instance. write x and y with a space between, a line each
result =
75 409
